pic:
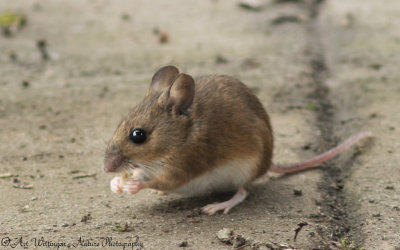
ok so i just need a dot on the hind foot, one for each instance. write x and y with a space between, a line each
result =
225 206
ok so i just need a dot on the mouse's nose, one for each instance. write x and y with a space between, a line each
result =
108 168
113 160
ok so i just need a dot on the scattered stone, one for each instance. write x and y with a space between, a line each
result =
42 46
279 246
389 187
376 215
25 209
238 241
254 5
317 216
183 244
225 235
285 19
86 218
221 60
269 246
228 236
297 192
23 185
65 225
163 37
34 198
195 221
337 186
256 245
7 175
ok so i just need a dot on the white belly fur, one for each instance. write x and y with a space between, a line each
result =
228 176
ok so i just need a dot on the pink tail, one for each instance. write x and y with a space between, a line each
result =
320 158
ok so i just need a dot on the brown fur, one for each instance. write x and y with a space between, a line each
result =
192 135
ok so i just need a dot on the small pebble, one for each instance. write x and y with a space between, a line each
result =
297 192
163 37
225 235
221 59
183 244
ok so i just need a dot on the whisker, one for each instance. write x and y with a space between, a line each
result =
151 171
164 163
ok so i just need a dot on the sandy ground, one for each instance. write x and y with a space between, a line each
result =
324 71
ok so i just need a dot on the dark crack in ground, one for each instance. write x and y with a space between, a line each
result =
334 203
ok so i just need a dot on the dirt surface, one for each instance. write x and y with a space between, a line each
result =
324 70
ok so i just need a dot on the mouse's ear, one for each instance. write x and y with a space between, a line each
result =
162 80
181 94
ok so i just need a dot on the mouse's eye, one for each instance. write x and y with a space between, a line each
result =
137 136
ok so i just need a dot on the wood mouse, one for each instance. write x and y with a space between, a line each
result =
195 137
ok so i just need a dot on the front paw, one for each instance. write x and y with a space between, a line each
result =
134 186
115 185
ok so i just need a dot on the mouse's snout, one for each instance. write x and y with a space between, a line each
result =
113 160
